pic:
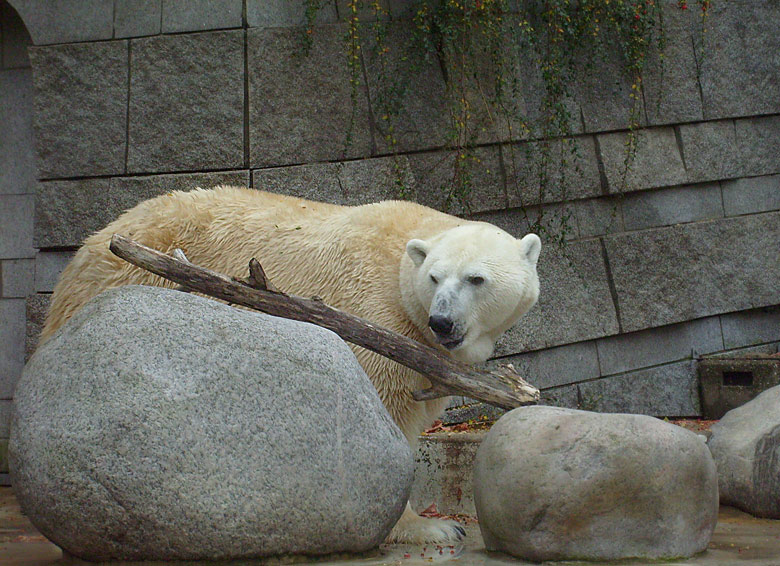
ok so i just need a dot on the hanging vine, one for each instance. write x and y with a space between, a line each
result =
487 52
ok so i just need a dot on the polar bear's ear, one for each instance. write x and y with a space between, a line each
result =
530 246
418 251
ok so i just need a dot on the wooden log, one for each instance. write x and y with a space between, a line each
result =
502 388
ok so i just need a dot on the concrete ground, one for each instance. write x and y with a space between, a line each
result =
739 540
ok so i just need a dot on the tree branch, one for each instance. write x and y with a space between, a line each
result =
502 388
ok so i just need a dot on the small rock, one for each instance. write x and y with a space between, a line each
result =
158 425
562 484
746 447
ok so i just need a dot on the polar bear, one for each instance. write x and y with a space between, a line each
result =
454 284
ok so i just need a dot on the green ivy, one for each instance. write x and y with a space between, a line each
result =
482 48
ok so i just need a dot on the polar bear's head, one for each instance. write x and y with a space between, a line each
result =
469 284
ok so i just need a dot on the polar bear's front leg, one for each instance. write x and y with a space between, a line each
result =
413 529
412 418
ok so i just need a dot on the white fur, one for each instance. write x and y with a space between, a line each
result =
374 261
441 271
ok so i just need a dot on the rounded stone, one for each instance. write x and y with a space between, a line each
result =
745 444
158 425
562 484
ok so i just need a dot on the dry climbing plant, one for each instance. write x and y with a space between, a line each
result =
485 49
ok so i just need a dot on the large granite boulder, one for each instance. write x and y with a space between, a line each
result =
157 425
561 484
745 444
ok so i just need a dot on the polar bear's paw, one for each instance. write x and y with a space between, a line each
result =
413 529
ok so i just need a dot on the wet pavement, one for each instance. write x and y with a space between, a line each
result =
739 540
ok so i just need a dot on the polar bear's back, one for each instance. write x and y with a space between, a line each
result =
349 256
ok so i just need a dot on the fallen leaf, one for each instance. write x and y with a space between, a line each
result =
430 511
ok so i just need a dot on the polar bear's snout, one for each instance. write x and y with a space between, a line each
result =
446 332
441 324
445 319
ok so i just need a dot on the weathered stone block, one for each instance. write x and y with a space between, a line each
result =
316 181
557 223
65 21
283 13
408 94
437 184
177 121
710 151
367 12
729 265
521 112
16 278
10 372
648 209
37 306
751 195
569 169
347 183
16 226
80 108
200 15
558 484
6 408
68 211
575 303
553 367
670 83
668 390
599 216
300 106
135 18
17 145
146 187
765 349
48 267
759 145
3 459
603 92
729 382
761 349
12 330
656 346
15 39
739 59
746 328
657 162
565 396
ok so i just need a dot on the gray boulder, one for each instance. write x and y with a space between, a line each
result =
561 484
157 425
746 447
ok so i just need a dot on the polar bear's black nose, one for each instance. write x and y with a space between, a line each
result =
440 324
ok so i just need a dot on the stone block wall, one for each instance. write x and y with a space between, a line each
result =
128 99
17 200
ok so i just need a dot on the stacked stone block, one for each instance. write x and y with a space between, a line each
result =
677 258
17 199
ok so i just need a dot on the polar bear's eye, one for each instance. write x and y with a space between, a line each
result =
476 280
435 281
